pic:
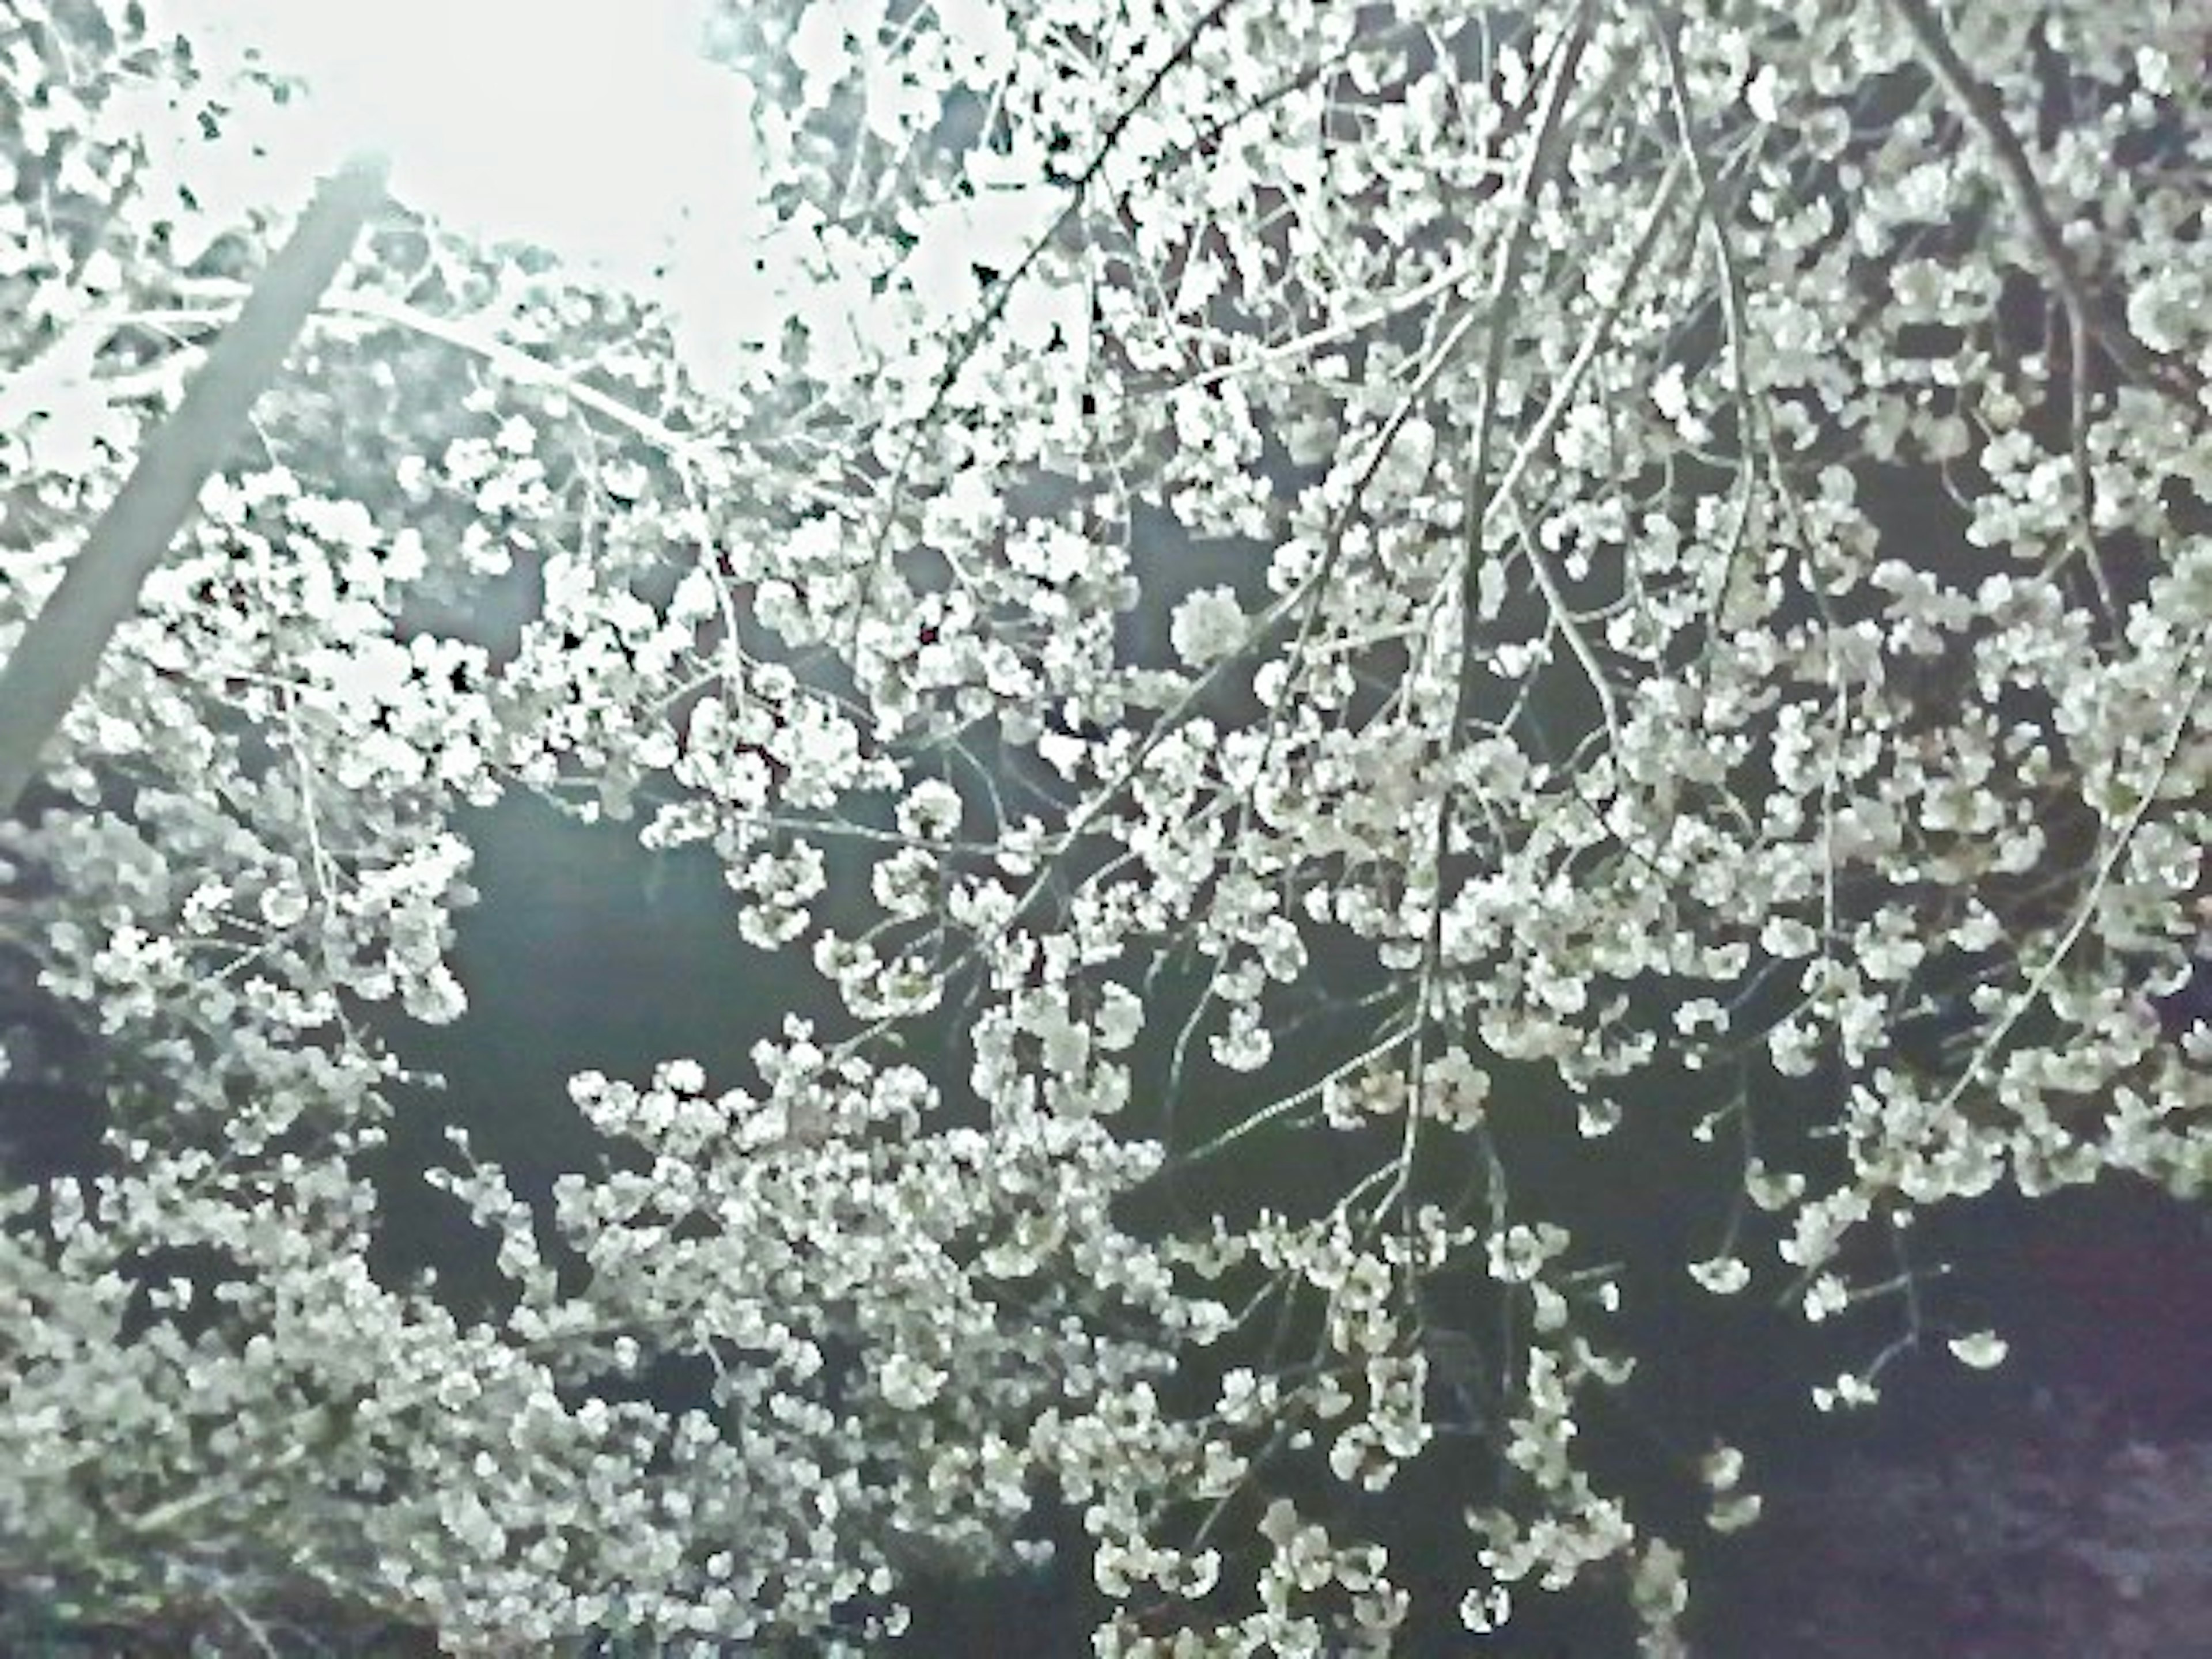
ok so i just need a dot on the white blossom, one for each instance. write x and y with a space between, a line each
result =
1255 902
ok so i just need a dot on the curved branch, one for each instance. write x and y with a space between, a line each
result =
1985 113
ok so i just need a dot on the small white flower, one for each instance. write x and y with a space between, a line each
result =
1764 96
908 1384
1981 1349
1826 1296
2164 308
1207 627
1723 1275
1120 1017
1735 1512
1722 1468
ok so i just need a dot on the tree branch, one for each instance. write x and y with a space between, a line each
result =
1984 110
60 650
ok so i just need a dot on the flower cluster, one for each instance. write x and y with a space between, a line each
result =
1314 615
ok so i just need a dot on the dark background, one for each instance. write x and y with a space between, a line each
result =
587 952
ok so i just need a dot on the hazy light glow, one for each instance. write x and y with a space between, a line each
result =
591 127
595 129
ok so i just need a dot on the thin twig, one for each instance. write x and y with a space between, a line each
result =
1985 110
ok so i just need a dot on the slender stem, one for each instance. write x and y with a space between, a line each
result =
2016 175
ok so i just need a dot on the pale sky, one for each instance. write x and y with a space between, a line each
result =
592 128
588 125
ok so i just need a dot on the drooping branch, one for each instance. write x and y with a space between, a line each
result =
1544 152
1979 103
